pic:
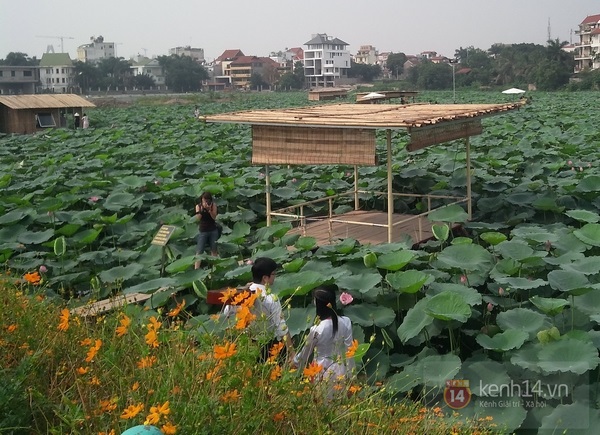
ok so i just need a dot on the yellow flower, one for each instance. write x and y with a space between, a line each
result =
154 324
161 409
230 396
131 411
175 311
124 325
312 370
354 389
95 381
352 349
168 428
83 370
108 405
240 297
64 320
93 350
33 278
152 418
135 386
223 352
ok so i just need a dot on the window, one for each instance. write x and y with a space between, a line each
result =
63 79
48 71
57 70
62 71
0 73
45 120
27 73
12 74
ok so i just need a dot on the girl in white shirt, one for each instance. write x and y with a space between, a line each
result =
328 341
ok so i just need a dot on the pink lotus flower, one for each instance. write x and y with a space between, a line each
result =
463 279
94 198
490 307
294 180
157 182
43 269
346 298
570 163
249 262
501 291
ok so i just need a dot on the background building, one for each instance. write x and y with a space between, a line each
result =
587 52
326 60
195 53
18 79
367 54
96 50
56 73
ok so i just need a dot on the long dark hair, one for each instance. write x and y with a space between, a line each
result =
326 307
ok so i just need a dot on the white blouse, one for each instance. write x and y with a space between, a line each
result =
329 351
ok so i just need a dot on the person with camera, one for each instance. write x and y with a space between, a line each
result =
206 215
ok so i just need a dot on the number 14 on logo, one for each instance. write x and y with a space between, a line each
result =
457 394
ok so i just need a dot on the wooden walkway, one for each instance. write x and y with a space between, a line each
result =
367 234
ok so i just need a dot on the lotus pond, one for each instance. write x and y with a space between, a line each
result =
511 304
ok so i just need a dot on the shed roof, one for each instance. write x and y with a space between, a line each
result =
44 101
375 116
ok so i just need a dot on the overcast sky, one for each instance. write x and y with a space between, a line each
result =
258 27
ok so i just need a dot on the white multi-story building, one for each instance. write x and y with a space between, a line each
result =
195 53
587 52
57 73
150 67
367 54
326 59
96 50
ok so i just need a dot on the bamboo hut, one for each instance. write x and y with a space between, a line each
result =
344 134
321 94
24 114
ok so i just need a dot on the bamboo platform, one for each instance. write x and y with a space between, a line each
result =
372 229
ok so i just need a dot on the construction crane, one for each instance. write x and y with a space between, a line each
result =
62 38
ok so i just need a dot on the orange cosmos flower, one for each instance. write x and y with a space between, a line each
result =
152 338
274 351
124 325
32 278
108 405
275 373
83 370
227 295
11 328
175 311
352 349
279 416
86 342
154 324
152 418
176 390
63 325
93 350
135 386
312 370
244 317
161 409
230 396
223 352
146 362
131 411
95 381
168 428
240 297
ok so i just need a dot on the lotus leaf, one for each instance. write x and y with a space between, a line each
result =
589 183
466 257
299 283
483 372
521 283
452 213
432 371
13 216
468 294
395 260
415 321
549 306
493 237
409 281
306 243
583 215
180 264
440 232
362 283
300 319
522 319
369 314
507 340
576 417
509 417
589 234
568 355
587 265
121 273
569 281
448 305
33 237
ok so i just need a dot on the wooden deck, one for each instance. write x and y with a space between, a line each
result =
367 232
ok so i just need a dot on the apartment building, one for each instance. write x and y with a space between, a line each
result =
150 67
96 50
326 60
57 74
16 80
366 54
195 53
587 51
242 68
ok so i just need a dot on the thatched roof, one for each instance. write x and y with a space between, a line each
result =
393 116
44 101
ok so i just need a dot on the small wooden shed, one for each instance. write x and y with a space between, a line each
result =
383 96
321 94
344 134
24 114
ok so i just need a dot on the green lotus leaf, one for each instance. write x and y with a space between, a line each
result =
521 198
160 298
547 204
200 289
588 303
180 264
300 319
293 266
306 243
534 233
587 265
432 371
239 231
121 273
564 259
451 213
589 234
86 237
448 306
50 204
461 241
346 246
68 229
549 306
109 219
13 216
589 183
527 357
361 351
415 321
370 260
120 200
369 314
568 355
583 215
285 192
516 250
576 417
133 181
395 260
149 286
569 281
507 340
409 281
522 319
483 372
468 294
276 230
440 232
362 282
299 283
466 257
33 237
521 283
493 237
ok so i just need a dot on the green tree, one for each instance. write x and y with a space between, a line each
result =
257 81
115 73
87 76
290 80
431 76
182 73
395 64
16 58
143 81
364 72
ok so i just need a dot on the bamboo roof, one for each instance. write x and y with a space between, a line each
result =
44 101
373 116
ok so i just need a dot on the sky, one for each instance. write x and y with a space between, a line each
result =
259 27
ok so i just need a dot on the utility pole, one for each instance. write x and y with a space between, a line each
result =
453 65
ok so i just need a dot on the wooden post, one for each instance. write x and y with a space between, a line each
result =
356 206
268 187
469 206
390 198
